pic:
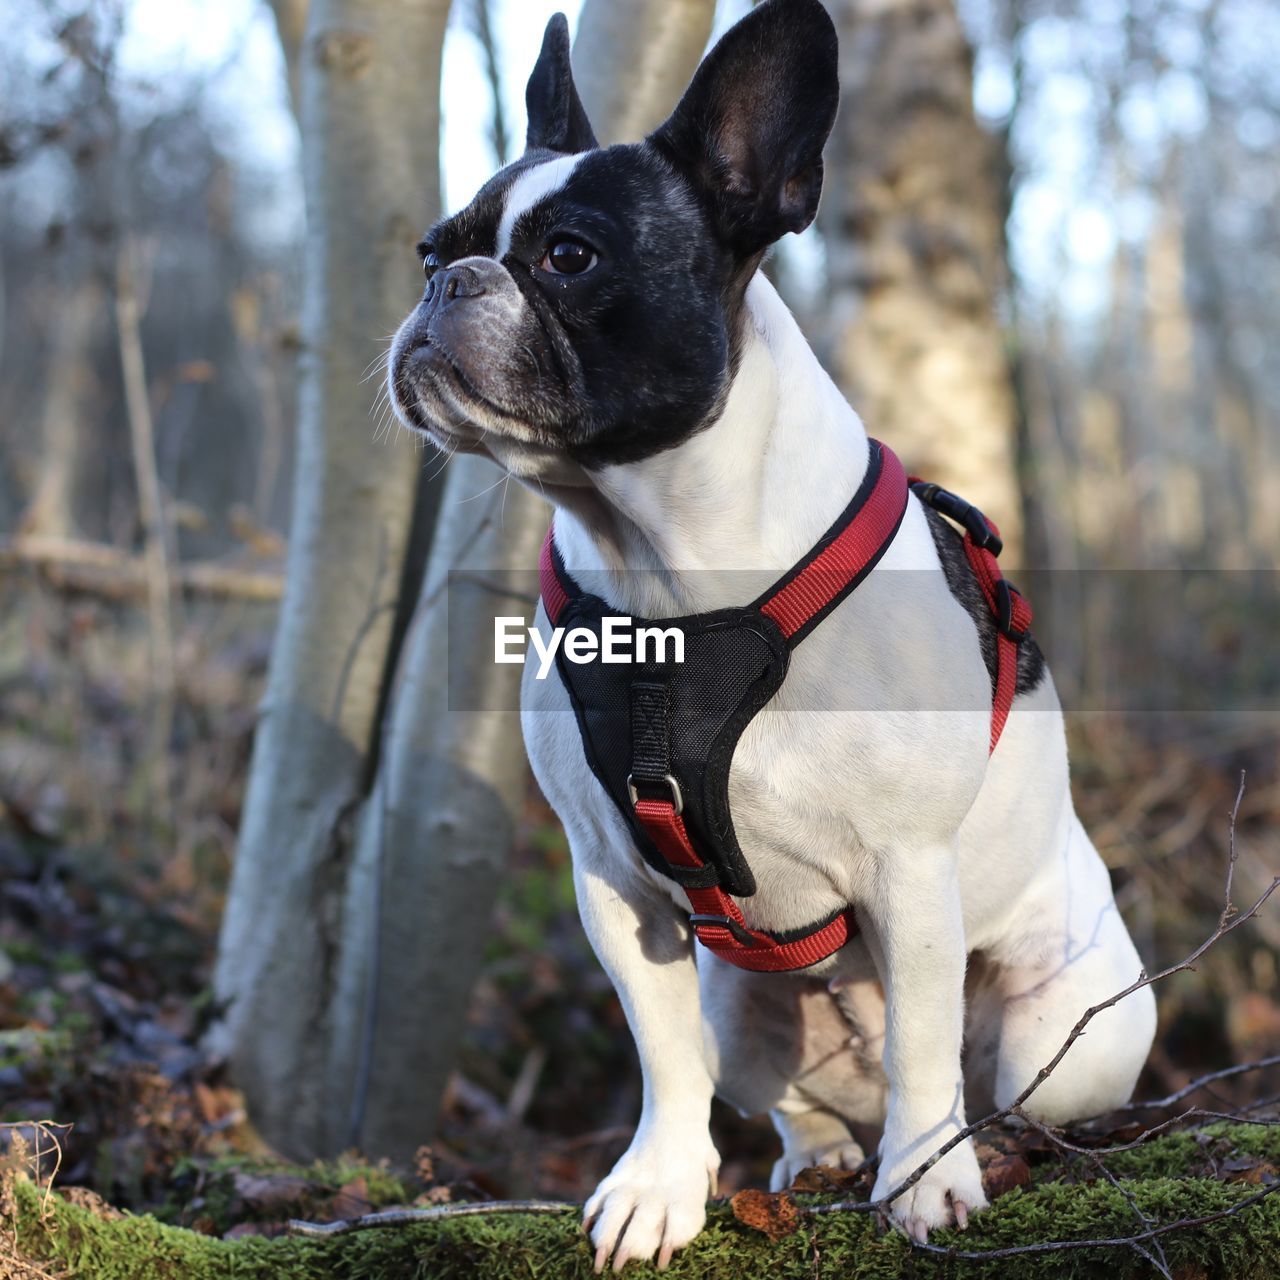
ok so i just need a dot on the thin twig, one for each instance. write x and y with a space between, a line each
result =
403 1217
1199 1083
45 1129
1192 1113
1229 920
1115 1242
1157 1259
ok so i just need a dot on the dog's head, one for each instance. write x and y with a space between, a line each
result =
584 308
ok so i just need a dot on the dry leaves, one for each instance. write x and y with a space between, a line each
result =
773 1213
1003 1172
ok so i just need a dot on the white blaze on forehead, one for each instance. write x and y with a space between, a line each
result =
528 190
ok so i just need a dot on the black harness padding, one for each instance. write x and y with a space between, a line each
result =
647 725
651 721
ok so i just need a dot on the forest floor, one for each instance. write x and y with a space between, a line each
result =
109 908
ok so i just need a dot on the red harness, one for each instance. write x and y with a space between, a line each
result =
795 604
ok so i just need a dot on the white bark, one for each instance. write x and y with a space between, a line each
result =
633 61
142 441
291 27
68 404
369 82
913 221
437 832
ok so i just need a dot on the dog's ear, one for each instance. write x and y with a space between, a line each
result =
557 121
750 129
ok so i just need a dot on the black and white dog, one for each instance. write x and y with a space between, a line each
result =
596 322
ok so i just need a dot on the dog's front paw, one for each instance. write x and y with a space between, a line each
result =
654 1202
843 1154
945 1195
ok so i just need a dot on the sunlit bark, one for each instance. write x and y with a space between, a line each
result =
913 222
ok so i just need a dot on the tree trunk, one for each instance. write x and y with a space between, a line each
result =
437 832
369 82
68 403
632 61
291 27
913 222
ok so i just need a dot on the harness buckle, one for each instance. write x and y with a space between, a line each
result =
976 526
677 797
954 507
1005 607
740 935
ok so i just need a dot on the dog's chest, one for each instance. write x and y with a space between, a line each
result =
860 740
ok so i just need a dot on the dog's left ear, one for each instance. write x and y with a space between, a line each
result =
557 119
750 129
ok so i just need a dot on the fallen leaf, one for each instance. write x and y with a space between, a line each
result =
824 1179
773 1213
261 1191
352 1200
1250 1170
84 1198
435 1195
1003 1173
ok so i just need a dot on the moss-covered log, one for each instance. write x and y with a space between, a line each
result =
1169 1178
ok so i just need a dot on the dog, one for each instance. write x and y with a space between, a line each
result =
596 321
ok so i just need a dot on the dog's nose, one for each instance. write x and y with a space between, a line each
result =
456 282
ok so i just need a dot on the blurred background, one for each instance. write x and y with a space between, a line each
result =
261 888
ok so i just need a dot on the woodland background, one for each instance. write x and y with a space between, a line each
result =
260 888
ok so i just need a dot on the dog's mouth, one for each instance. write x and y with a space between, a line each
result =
435 395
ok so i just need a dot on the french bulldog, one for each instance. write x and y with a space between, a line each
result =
596 321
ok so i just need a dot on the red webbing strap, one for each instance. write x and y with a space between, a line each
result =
859 544
802 598
758 952
987 571
554 595
1010 610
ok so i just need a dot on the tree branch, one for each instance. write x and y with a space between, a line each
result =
95 568
402 1217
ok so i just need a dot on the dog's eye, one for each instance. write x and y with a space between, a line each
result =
568 258
430 263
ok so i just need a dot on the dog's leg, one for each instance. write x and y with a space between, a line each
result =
914 926
654 1200
1072 952
811 1136
783 1044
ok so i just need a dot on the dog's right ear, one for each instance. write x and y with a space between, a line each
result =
557 120
750 129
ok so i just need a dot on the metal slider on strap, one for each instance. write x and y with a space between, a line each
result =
676 795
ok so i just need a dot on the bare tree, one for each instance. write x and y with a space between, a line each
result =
369 85
356 920
913 222
68 394
437 833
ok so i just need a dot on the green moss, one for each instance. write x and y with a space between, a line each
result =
221 1204
844 1245
1177 1154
